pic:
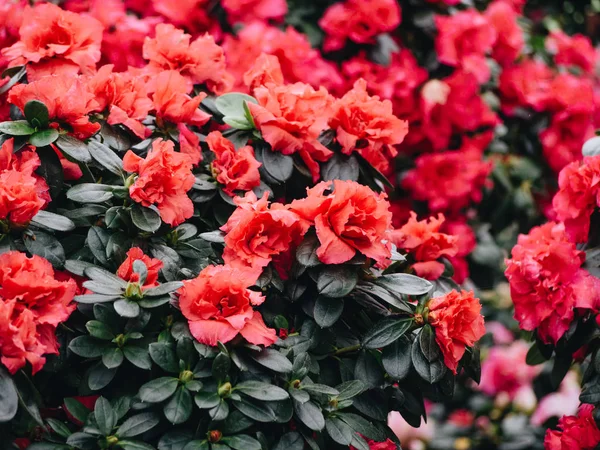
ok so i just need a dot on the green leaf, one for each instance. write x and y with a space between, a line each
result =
290 441
274 360
106 157
336 281
77 409
16 128
100 377
590 394
219 412
386 332
59 428
340 167
256 411
83 441
310 415
262 391
52 221
43 138
316 388
146 219
9 400
46 246
535 356
276 164
29 397
403 283
207 400
154 302
396 359
164 356
100 287
121 405
138 424
216 236
36 113
87 347
428 344
236 422
97 240
368 370
350 389
112 357
89 299
327 311
164 288
137 356
90 193
242 442
105 416
339 431
15 74
74 148
104 276
127 308
175 440
306 253
135 445
232 107
158 390
432 372
363 426
51 170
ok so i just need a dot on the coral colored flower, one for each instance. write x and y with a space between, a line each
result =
68 99
577 196
426 244
525 85
236 170
547 282
48 32
348 218
463 40
257 233
575 432
247 11
172 102
457 321
189 143
291 118
153 265
505 370
358 21
124 96
448 181
574 50
193 15
219 306
22 193
466 242
164 177
201 61
266 70
32 303
367 125
509 43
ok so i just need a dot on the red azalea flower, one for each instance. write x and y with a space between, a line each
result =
510 42
574 50
525 85
125 270
247 11
575 432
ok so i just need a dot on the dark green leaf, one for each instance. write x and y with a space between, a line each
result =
216 236
101 287
301 367
158 390
396 359
9 400
136 425
207 400
137 356
179 408
164 288
127 308
327 311
16 128
134 445
221 366
429 346
87 347
51 170
368 370
340 167
432 372
242 442
83 441
232 104
404 283
262 391
29 397
306 253
105 416
88 299
310 415
43 138
350 389
339 431
74 148
272 359
336 281
97 240
46 246
290 441
59 428
220 411
15 74
386 332
77 409
363 426
36 113
90 193
256 411
315 388
112 357
146 219
99 377
276 164
236 422
106 157
175 440
535 356
164 355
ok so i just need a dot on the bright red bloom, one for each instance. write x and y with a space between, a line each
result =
68 99
124 96
575 432
457 321
358 21
509 43
257 233
348 218
247 11
291 118
463 40
201 61
172 102
32 303
236 170
367 125
448 181
505 370
164 177
525 85
153 265
189 143
461 418
48 32
193 15
574 50
219 306
547 282
265 70
577 197
22 193
426 244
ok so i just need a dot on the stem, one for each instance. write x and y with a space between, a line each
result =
352 348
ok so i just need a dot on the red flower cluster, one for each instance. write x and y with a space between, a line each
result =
22 193
547 283
576 432
458 323
32 304
153 265
219 306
